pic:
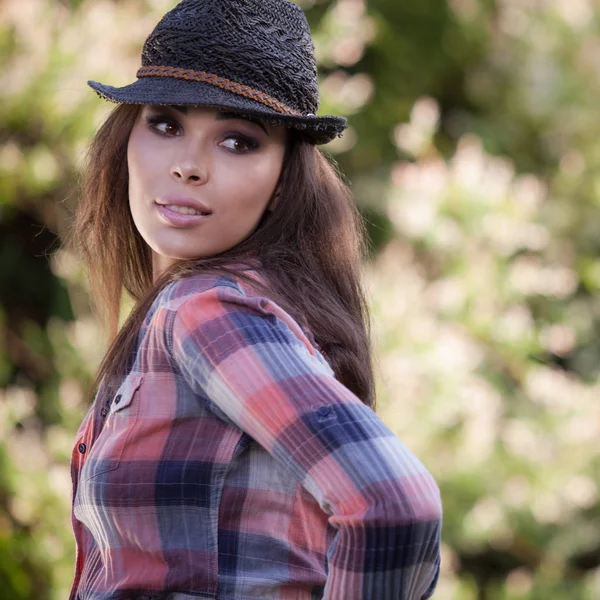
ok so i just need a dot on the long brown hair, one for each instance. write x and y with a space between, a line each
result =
310 247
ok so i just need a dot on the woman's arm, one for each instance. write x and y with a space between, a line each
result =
384 504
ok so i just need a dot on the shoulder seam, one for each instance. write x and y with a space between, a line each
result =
172 312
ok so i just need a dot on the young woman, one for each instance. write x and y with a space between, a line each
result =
231 451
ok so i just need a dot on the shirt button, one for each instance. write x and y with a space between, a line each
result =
118 399
324 411
82 448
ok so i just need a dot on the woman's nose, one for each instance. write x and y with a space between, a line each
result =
189 172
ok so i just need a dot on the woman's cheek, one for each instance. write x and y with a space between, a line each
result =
149 160
144 154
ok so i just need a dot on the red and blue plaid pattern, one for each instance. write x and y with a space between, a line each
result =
231 464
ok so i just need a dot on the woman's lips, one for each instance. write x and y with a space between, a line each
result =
186 201
178 219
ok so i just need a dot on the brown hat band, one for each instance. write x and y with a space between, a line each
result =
226 84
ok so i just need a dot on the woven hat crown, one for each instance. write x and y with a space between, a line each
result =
253 57
262 44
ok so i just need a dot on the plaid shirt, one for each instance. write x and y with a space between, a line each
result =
231 464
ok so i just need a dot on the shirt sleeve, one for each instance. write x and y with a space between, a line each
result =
383 503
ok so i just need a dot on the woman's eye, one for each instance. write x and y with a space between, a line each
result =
164 125
239 144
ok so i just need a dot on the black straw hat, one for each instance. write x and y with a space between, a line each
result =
254 57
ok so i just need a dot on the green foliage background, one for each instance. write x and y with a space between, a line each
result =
473 152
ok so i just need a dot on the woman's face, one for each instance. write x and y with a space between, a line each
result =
184 161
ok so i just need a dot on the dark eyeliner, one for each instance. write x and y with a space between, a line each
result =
156 119
251 143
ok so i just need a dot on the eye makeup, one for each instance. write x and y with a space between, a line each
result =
154 120
161 122
249 143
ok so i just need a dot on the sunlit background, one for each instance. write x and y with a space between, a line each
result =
474 153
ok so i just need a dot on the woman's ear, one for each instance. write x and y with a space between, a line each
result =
274 199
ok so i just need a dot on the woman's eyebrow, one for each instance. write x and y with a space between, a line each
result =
222 116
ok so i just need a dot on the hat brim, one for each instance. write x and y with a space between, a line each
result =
179 92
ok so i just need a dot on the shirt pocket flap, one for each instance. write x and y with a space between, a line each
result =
125 393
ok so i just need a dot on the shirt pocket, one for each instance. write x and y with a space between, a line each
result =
106 452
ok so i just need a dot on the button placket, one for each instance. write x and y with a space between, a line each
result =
105 408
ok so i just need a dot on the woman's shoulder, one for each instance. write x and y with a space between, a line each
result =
225 285
234 302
